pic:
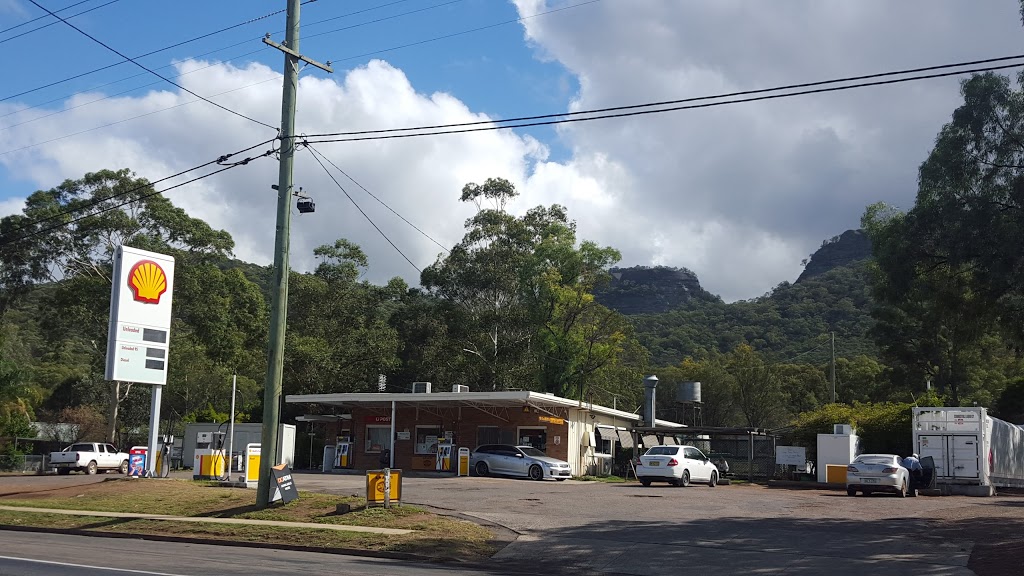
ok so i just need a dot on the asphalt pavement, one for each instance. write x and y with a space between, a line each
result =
24 554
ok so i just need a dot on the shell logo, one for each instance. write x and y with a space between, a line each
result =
147 282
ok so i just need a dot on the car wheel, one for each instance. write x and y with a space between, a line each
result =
903 490
674 482
685 480
123 469
560 479
63 471
91 468
645 482
481 469
714 480
851 491
536 473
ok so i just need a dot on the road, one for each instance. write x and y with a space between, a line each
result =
627 529
23 554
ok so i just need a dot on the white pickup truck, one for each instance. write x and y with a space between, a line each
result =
89 457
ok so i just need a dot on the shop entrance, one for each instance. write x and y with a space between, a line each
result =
536 436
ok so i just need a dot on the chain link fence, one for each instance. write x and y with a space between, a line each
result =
24 464
748 457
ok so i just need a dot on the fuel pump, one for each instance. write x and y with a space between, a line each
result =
208 462
343 452
444 455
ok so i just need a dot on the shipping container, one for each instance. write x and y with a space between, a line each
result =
973 452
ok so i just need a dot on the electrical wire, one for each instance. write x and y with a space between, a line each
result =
382 203
157 74
127 202
316 155
449 2
247 41
470 31
52 23
26 22
635 112
219 160
700 98
164 49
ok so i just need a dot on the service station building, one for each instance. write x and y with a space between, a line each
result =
407 428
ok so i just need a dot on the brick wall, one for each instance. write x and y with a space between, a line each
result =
465 426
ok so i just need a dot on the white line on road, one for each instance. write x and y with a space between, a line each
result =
70 565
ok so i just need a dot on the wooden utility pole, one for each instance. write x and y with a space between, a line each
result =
279 289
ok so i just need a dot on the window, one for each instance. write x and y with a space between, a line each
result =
81 448
426 439
605 440
663 451
378 438
693 454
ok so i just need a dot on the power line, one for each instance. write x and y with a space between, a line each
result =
219 160
381 19
164 49
26 22
712 97
52 23
644 112
142 197
470 31
63 110
316 155
251 20
382 203
158 75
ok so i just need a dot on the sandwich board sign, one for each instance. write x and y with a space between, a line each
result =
140 316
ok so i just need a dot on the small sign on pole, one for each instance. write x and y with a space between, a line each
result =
383 487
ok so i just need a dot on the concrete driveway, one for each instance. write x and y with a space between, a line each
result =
628 529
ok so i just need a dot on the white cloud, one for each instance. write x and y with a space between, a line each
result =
741 194
419 177
11 206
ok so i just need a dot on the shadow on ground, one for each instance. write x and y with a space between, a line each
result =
779 546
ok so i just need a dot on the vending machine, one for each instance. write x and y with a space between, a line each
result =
343 452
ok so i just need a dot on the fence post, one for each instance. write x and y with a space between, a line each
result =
750 457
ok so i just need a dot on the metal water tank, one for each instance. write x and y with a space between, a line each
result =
688 393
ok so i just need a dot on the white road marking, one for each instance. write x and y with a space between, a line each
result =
70 565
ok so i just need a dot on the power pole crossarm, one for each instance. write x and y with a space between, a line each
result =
294 54
279 289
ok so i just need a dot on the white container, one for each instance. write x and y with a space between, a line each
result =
970 448
837 449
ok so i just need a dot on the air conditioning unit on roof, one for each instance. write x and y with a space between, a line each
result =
421 387
459 388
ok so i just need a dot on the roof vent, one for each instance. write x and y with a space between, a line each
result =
421 387
460 388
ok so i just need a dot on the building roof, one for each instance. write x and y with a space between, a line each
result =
472 399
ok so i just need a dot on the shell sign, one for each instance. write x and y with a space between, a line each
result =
147 281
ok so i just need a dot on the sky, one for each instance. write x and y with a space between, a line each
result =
739 194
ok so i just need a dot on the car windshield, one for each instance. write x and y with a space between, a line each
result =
531 451
663 451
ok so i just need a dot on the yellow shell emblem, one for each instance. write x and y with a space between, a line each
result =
147 282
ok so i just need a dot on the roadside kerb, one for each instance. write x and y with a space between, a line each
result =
211 520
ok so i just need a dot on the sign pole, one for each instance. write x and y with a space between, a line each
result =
154 428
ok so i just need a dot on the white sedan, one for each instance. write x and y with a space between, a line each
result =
676 465
877 473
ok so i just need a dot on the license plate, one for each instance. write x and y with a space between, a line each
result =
870 480
655 464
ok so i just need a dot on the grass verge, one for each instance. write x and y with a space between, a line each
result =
608 479
436 536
